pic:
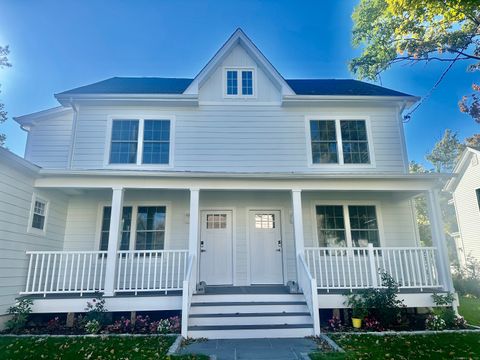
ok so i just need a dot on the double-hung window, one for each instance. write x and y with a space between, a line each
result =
140 141
339 141
239 82
38 214
347 225
143 228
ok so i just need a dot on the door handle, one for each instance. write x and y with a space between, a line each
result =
203 250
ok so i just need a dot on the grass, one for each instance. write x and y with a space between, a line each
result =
470 310
434 346
124 347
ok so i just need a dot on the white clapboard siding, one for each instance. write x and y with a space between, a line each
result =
49 141
16 190
468 209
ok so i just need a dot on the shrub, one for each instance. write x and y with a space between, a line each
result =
19 312
120 326
382 303
357 303
466 280
175 325
460 322
54 325
444 310
372 324
163 326
96 310
435 322
92 327
335 324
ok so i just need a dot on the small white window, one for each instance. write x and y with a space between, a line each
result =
239 82
265 221
38 216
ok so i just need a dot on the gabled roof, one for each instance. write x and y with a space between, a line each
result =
31 119
133 85
239 38
152 85
342 87
460 168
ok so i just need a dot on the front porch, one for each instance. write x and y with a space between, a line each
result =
247 233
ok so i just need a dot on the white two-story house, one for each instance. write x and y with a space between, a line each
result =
218 196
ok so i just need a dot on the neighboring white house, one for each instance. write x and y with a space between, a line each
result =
148 189
465 189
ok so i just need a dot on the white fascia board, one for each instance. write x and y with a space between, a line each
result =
239 37
164 99
300 100
31 119
460 168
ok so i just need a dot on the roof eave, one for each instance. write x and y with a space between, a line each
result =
181 99
299 99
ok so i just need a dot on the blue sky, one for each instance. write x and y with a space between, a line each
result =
58 45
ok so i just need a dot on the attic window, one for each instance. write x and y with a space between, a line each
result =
239 82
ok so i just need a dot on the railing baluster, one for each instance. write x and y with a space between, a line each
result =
119 268
53 271
149 269
83 273
132 259
173 269
162 258
89 271
35 273
27 286
45 286
101 281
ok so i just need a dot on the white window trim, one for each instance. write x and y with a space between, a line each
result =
337 119
348 229
133 226
30 229
139 165
239 70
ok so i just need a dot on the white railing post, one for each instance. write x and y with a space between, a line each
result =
113 240
373 269
438 239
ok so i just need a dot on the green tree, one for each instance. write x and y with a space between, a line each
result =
4 51
473 141
414 31
421 208
446 152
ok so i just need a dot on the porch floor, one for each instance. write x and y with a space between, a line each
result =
400 291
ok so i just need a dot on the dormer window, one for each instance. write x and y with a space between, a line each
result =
239 82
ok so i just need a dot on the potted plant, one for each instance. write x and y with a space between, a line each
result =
359 311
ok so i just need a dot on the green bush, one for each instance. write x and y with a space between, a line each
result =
96 310
466 280
19 312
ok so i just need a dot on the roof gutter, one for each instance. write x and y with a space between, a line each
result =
184 99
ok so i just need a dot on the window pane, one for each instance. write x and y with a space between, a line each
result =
265 221
232 82
156 142
478 197
364 225
150 233
355 142
330 225
324 142
126 226
123 149
247 83
38 221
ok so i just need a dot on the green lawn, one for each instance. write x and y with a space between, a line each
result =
470 310
435 346
79 348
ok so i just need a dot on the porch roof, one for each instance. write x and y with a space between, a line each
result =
131 179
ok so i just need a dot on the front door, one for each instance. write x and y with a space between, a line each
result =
265 247
216 248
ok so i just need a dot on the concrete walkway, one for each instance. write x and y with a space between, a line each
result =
252 349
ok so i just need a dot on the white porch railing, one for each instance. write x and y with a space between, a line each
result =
189 284
357 268
51 272
150 270
309 287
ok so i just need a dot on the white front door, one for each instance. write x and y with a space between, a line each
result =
216 248
265 247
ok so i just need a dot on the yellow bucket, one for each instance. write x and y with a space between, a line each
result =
357 323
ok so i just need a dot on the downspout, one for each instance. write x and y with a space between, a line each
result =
73 137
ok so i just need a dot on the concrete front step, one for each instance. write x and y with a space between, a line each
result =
246 298
250 319
251 331
248 307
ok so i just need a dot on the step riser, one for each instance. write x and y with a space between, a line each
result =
245 309
254 320
251 334
247 298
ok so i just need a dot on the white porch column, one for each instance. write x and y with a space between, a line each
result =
438 238
113 240
298 221
193 227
